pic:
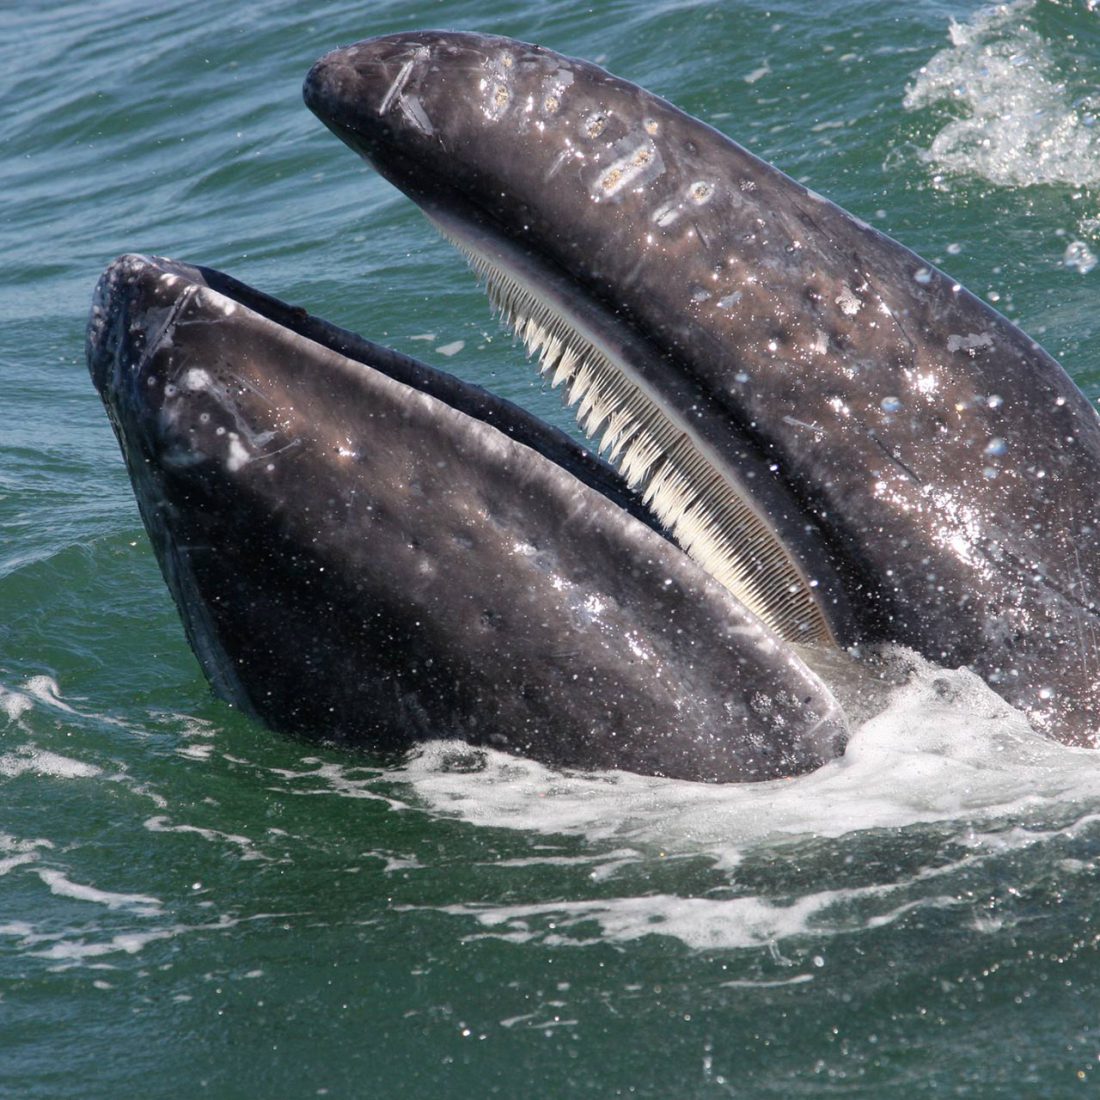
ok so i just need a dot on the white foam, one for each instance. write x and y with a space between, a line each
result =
72 950
702 923
45 689
14 703
17 853
41 762
1013 115
9 863
161 824
130 943
335 779
20 928
1079 257
946 752
758 73
196 752
946 748
141 904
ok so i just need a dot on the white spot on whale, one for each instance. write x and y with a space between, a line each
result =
238 456
640 164
969 343
849 304
212 299
667 213
595 124
701 192
594 605
196 379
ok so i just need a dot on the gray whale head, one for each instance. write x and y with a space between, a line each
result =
815 440
911 466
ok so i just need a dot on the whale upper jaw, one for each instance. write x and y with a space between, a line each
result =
707 478
924 472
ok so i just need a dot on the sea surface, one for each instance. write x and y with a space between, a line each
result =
192 906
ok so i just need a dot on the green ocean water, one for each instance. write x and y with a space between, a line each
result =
191 905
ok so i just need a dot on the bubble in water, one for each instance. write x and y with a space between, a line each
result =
1080 257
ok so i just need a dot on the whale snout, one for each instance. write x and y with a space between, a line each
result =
355 86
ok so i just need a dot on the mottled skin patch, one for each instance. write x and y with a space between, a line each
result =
814 318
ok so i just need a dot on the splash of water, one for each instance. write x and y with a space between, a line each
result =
1012 114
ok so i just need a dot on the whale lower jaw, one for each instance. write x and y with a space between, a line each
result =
367 550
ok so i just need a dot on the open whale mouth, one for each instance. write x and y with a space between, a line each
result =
812 440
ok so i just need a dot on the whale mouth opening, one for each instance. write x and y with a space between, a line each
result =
611 380
671 479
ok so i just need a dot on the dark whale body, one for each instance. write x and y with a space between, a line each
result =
816 442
